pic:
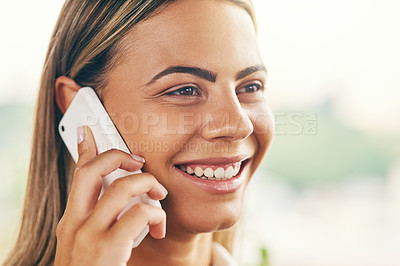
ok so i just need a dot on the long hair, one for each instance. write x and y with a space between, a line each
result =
84 46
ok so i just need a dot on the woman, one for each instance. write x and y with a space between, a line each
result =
191 73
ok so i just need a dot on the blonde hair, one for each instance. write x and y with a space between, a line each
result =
84 47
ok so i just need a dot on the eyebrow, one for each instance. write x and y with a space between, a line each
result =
250 70
204 73
196 71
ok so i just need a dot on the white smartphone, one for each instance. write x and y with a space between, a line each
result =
87 109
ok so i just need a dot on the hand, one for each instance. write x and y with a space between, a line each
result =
89 232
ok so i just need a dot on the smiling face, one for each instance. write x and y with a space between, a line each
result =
188 97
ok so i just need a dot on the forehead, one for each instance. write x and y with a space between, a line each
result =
208 33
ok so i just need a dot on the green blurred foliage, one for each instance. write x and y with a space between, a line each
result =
264 257
334 152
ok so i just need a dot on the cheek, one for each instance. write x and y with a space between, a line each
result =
262 119
154 135
263 122
158 135
264 128
163 131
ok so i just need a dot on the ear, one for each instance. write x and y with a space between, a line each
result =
66 89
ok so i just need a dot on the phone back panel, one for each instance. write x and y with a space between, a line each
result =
86 109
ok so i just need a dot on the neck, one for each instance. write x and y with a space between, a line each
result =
191 249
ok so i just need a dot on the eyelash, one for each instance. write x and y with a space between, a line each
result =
258 87
197 91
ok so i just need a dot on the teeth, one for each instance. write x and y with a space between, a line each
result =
209 172
189 170
236 170
219 173
229 172
198 171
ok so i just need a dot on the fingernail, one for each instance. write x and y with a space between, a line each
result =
138 158
165 230
165 190
81 134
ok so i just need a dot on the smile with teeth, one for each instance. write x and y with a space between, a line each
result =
212 172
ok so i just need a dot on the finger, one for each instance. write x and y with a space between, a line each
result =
119 193
132 223
108 161
87 182
88 178
74 213
86 145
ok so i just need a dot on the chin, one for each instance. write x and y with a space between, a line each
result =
211 223
202 216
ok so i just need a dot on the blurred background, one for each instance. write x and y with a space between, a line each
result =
328 192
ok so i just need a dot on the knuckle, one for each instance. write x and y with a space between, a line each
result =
115 152
141 208
63 229
87 241
80 172
159 213
82 248
101 246
60 229
82 236
119 154
151 180
119 184
84 148
147 175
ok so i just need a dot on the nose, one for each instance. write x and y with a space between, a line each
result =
226 120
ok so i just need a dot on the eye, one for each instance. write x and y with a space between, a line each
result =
185 91
250 88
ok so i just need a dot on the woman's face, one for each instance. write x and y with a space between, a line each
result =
187 95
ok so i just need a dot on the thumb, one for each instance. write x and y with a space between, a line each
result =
86 145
